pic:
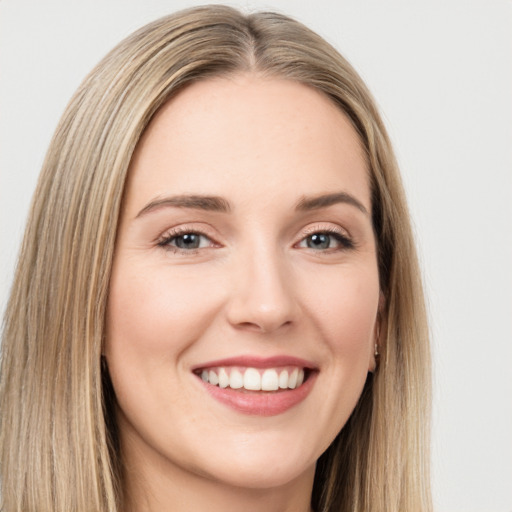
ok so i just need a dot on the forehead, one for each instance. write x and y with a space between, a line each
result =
248 135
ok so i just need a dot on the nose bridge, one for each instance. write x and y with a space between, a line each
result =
263 296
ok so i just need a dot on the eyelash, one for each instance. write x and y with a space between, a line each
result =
165 241
343 240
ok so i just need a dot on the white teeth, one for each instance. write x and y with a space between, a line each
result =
269 381
252 379
236 380
292 380
223 378
283 379
213 378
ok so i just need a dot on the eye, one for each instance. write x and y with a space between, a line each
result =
185 241
324 240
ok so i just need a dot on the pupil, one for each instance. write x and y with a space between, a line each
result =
188 241
319 241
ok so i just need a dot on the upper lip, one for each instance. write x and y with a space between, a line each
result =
258 362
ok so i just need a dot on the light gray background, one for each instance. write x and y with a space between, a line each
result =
442 74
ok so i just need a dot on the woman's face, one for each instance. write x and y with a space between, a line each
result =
245 258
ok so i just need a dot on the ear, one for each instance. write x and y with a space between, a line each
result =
380 327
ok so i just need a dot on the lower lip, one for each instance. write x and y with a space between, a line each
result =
262 403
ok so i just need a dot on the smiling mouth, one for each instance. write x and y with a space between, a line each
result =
254 379
258 386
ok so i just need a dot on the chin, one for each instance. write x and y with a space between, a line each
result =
259 476
258 462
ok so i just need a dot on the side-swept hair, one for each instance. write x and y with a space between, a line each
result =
58 442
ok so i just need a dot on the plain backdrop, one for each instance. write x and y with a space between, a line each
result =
441 72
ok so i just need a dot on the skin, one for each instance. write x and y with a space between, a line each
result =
253 287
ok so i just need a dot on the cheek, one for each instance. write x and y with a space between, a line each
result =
154 313
344 307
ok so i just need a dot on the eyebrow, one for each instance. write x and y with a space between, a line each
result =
325 200
198 202
219 204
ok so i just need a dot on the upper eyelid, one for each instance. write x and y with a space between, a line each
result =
328 227
187 228
212 234
164 242
332 229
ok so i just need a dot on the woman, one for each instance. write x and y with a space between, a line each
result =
217 301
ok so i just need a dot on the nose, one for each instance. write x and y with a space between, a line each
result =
262 297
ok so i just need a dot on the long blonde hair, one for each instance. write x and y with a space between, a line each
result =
58 447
